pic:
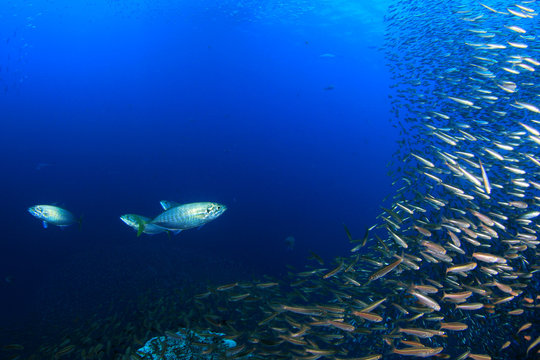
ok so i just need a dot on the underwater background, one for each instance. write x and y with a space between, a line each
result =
277 110
284 111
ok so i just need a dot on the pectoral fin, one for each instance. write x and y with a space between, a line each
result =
45 224
140 229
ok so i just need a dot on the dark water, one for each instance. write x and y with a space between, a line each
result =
277 110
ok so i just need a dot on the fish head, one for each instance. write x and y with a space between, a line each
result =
39 211
136 222
129 219
214 210
133 220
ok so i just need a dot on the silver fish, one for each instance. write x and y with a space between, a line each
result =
55 215
188 216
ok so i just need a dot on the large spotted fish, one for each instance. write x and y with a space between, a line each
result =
188 216
55 215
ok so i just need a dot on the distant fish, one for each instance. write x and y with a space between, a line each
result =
189 216
327 55
42 165
13 347
289 241
55 215
329 87
141 224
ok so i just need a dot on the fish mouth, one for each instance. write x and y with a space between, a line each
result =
125 219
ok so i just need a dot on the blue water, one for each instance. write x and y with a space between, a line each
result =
278 111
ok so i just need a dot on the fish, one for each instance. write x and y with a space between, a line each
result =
462 267
50 214
533 344
334 271
454 326
42 165
141 224
387 269
188 216
289 242
418 351
465 175
13 347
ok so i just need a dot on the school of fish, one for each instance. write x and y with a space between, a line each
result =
450 270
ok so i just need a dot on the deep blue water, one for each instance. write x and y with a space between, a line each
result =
279 111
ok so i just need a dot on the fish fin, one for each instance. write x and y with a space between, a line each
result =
167 205
164 205
45 224
140 229
348 232
168 234
200 227
176 232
